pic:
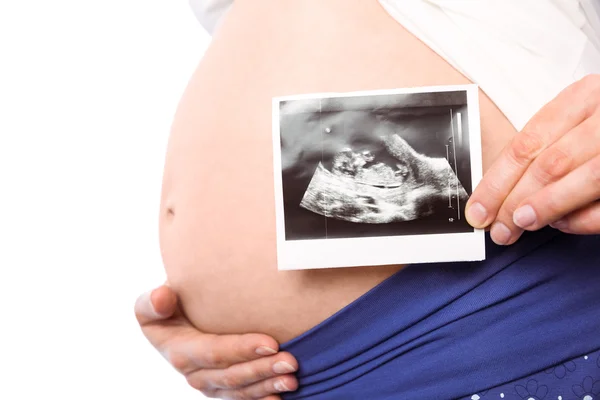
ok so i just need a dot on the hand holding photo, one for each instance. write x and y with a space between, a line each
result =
376 178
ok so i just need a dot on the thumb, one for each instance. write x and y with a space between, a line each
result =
155 305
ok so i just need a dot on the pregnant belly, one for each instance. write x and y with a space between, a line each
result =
217 222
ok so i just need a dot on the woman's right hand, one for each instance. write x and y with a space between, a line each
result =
245 366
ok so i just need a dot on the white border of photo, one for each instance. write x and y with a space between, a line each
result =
386 250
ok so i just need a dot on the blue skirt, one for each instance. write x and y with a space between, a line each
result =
523 324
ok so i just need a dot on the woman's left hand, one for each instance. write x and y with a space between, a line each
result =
549 174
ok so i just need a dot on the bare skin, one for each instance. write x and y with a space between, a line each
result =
341 45
217 222
225 366
550 172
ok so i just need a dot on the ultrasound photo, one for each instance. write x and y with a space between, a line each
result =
374 165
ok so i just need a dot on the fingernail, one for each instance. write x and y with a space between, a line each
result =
524 216
477 215
145 307
265 351
500 233
561 224
280 386
282 367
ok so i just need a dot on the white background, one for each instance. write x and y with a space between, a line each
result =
87 95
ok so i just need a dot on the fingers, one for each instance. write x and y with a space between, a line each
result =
155 305
571 151
582 222
187 348
565 112
206 351
245 374
225 366
256 379
260 390
576 190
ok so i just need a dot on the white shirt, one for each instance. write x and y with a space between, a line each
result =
522 53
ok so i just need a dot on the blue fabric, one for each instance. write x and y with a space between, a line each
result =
578 378
455 330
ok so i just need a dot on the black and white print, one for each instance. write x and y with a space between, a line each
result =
375 172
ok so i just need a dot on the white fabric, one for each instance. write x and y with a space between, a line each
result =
210 12
520 52
591 8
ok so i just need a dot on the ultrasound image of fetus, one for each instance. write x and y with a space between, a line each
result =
361 166
359 189
373 167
